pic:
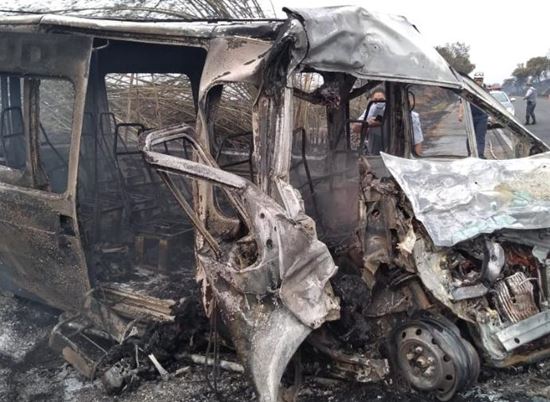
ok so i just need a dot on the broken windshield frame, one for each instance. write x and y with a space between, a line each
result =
478 96
465 129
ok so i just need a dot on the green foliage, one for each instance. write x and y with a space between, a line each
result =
535 67
521 72
457 54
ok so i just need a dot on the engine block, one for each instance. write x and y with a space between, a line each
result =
515 298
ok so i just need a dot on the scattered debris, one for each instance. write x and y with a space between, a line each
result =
162 371
223 364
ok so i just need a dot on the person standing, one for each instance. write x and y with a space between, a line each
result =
531 98
479 118
375 116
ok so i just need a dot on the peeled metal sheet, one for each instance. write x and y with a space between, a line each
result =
370 45
460 199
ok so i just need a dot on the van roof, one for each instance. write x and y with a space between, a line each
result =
345 39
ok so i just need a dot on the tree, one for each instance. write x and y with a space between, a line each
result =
537 66
521 73
457 54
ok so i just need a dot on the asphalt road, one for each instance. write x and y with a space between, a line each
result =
447 137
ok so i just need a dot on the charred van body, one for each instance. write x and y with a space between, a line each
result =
304 224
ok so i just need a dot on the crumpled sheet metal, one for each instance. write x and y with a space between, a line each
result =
460 199
369 45
290 261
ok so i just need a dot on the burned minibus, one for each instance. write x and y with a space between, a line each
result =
410 259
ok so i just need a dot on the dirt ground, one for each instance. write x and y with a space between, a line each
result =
30 371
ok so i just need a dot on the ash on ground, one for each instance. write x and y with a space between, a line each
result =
30 371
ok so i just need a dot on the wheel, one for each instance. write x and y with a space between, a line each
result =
433 357
472 363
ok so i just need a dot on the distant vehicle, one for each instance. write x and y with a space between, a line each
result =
505 101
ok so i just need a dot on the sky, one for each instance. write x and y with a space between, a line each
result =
500 34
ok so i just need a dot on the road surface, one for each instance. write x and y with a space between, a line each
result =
445 136
542 111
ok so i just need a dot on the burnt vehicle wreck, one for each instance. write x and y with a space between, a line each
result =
296 232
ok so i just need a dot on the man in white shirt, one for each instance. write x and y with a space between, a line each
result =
531 98
418 136
376 115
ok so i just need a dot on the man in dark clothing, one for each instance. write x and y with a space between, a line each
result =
479 118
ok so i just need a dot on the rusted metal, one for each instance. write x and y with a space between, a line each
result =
166 236
132 305
77 349
355 367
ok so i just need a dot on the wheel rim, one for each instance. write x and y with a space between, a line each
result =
446 362
423 361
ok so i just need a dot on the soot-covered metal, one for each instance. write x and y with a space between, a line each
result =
265 221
